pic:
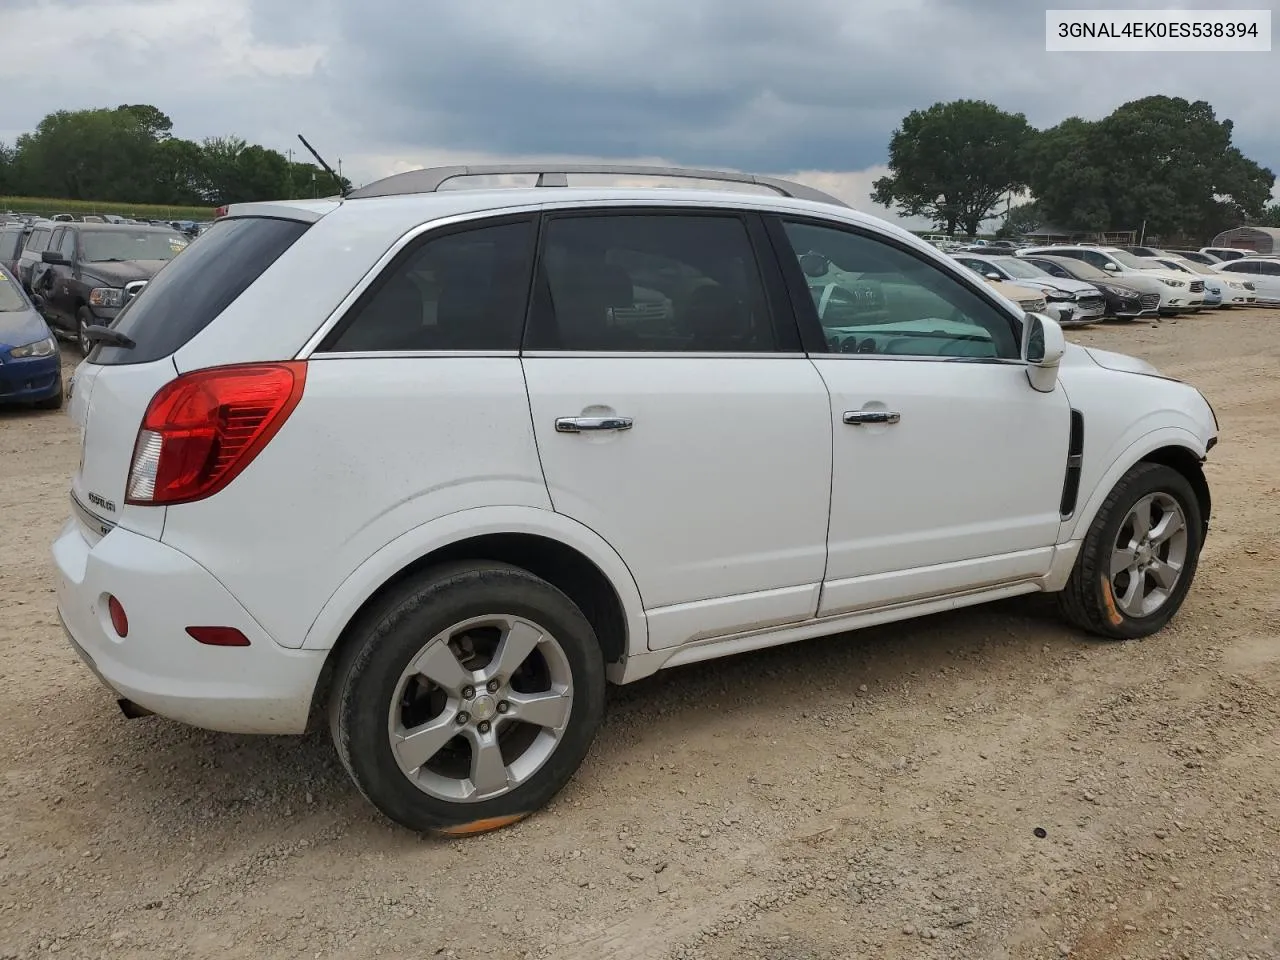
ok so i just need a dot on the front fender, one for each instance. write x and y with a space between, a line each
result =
422 540
1126 452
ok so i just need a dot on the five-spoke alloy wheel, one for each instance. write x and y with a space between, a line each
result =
1139 557
467 697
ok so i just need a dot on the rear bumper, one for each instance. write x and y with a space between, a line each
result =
261 688
26 381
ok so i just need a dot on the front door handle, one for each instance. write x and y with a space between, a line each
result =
584 424
859 417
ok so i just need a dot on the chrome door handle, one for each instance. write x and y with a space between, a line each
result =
583 424
859 417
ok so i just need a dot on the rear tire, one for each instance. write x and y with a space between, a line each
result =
1128 581
467 698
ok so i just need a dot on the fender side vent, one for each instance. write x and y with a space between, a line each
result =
1075 464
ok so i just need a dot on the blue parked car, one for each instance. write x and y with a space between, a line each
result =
30 363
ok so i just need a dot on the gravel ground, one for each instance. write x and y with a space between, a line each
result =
983 784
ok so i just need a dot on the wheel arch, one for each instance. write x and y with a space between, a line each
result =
1174 447
561 551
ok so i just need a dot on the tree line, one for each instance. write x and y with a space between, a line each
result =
1163 161
129 155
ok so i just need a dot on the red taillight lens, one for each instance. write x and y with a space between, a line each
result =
218 636
119 622
205 427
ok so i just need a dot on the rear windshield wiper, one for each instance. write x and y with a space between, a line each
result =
112 338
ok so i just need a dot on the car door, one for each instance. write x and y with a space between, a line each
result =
60 277
677 416
1267 280
948 467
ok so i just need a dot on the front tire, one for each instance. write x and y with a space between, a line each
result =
1139 557
84 320
467 698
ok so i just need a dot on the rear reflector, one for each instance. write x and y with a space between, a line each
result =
219 636
202 429
119 622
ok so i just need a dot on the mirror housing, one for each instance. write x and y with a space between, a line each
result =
1043 346
37 301
993 276
814 264
1110 267
54 257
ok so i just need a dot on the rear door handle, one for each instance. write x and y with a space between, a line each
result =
584 424
858 417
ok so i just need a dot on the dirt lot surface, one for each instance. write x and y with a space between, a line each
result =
880 794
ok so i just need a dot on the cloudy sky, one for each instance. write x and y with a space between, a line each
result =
810 89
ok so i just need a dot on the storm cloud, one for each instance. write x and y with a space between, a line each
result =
814 88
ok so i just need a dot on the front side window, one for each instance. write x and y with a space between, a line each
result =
11 297
68 246
464 290
874 298
649 283
1268 269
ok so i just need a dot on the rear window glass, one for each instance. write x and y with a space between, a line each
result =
191 289
11 298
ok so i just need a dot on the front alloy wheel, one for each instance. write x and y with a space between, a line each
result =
1139 557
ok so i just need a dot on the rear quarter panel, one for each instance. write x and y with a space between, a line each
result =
377 447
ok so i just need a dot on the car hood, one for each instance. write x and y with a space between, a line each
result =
1119 362
20 327
1081 287
119 273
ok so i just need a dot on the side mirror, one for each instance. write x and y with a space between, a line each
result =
1111 267
814 265
1042 348
993 276
37 301
54 257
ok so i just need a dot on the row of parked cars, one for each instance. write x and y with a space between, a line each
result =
65 278
1083 283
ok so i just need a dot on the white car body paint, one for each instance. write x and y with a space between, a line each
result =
386 459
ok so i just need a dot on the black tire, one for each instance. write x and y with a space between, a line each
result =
385 640
54 402
1088 601
83 319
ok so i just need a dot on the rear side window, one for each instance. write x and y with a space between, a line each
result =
11 297
38 240
464 290
197 285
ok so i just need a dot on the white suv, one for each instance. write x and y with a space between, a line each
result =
441 462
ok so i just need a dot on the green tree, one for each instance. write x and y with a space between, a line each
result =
1159 160
7 172
1022 219
954 162
1270 215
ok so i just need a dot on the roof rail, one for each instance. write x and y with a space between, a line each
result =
430 179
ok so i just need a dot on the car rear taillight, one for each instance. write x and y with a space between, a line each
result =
202 429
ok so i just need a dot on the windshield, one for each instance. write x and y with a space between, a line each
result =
101 246
1020 268
11 298
1129 260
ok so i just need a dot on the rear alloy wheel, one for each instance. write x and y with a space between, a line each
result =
1139 558
468 699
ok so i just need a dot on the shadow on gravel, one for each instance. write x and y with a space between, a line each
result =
165 777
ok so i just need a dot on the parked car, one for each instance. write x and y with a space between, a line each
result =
30 366
94 270
1262 272
1123 302
1206 259
475 539
13 234
36 243
1146 253
1226 254
1079 302
1177 295
1219 291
